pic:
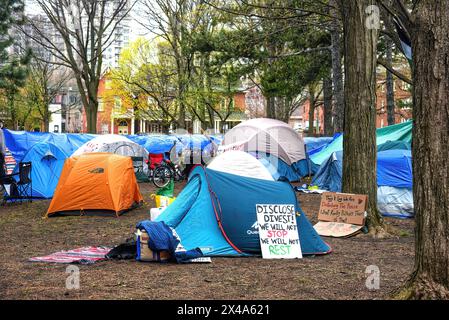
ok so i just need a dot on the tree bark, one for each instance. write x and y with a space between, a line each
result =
359 140
46 125
312 103
337 74
327 106
91 117
271 106
390 84
430 45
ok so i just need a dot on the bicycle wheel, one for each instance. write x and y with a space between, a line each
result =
162 176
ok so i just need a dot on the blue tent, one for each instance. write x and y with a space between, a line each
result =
279 168
216 212
394 180
394 169
330 173
300 168
397 132
47 160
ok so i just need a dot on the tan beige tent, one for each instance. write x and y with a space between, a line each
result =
270 136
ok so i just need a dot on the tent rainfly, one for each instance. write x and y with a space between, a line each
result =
100 182
216 212
272 140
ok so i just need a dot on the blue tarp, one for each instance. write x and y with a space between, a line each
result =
315 144
394 169
193 217
31 146
330 173
139 139
218 138
394 145
19 142
161 143
196 142
397 132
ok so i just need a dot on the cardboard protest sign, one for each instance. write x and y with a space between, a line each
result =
343 207
278 231
336 229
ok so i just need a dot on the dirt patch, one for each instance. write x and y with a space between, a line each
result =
339 275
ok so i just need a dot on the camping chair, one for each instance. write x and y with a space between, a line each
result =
155 159
18 189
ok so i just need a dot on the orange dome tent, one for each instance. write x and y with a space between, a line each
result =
96 182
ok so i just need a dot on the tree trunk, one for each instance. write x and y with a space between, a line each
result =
46 124
271 105
311 110
390 84
359 140
337 74
327 106
91 116
46 116
430 44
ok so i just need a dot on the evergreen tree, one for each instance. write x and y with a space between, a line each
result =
13 70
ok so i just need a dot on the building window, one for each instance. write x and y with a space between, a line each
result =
73 99
104 128
123 127
100 105
118 103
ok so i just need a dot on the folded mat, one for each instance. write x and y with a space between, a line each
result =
84 255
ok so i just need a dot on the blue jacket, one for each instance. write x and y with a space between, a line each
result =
161 238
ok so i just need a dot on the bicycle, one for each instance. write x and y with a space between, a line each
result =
161 170
166 171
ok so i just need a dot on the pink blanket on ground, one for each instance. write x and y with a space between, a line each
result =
84 255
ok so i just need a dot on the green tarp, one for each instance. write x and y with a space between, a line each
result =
397 132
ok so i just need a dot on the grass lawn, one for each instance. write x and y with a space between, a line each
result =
339 275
